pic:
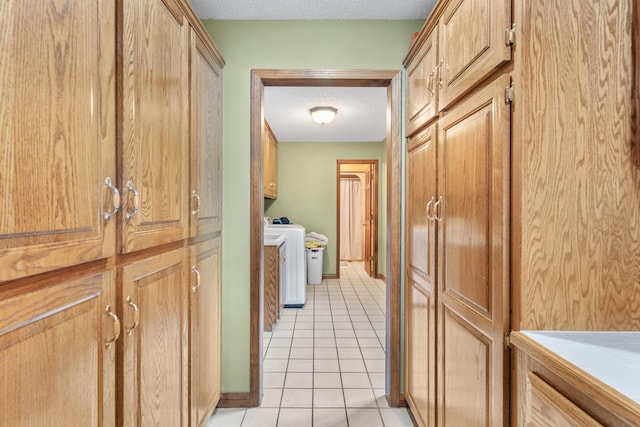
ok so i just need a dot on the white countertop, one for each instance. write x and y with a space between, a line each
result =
272 239
611 357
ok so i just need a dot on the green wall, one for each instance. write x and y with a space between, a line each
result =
247 45
307 189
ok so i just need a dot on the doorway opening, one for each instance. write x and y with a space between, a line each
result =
357 213
392 80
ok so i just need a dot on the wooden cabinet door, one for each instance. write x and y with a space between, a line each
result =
420 303
206 327
422 87
472 44
56 368
270 163
153 97
473 253
154 372
58 135
206 139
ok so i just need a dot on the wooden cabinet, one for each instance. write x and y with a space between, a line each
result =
422 83
153 135
274 275
206 137
473 258
57 351
270 163
420 297
153 354
205 330
58 145
473 43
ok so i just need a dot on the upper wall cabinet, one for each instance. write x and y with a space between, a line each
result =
270 163
421 92
474 40
153 138
57 164
206 137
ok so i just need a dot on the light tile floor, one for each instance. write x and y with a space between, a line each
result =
324 363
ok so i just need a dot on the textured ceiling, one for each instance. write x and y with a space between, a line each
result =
312 9
361 116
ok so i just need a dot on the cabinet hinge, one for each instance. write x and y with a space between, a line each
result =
509 94
507 340
510 36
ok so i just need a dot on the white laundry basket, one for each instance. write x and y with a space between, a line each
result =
314 265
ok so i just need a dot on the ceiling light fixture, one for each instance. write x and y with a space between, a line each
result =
323 115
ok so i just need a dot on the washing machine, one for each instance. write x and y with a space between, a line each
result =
294 293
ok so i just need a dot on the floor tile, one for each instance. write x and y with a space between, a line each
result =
349 353
364 417
328 398
352 365
280 342
300 365
295 417
301 353
359 398
377 379
375 365
346 342
327 380
326 365
345 333
261 417
271 397
381 398
323 333
273 379
369 342
227 417
325 353
302 342
299 380
396 417
372 353
275 365
324 342
355 380
329 417
277 353
296 398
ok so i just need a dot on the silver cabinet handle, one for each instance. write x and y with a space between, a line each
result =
136 201
440 82
430 82
437 217
116 326
198 278
427 209
136 316
115 199
194 194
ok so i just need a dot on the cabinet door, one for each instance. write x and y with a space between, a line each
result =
422 88
270 163
56 368
206 139
154 137
58 135
473 258
420 304
154 371
472 44
272 273
205 318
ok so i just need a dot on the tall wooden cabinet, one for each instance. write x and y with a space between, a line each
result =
270 147
529 211
457 182
111 186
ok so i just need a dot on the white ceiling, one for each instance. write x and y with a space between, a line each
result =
361 111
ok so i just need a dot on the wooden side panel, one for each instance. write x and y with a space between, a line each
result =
471 45
206 140
578 181
154 370
154 134
206 330
57 121
56 369
271 286
473 252
422 86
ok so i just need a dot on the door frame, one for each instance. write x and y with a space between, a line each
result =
392 80
372 197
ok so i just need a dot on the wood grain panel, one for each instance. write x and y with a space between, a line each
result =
270 163
421 85
58 130
56 369
271 286
205 326
577 183
206 139
154 369
154 137
471 45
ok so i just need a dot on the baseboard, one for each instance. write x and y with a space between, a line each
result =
381 277
237 400
330 276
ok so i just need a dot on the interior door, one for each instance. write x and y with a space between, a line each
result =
473 253
371 221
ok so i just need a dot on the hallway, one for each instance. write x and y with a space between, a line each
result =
324 363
